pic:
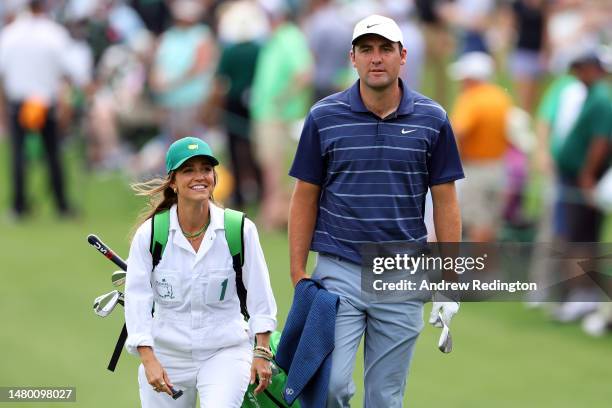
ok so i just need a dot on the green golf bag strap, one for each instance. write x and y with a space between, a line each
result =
233 222
160 227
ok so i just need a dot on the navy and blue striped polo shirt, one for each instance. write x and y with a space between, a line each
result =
374 173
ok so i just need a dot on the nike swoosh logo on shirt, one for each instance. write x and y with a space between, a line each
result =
404 131
372 25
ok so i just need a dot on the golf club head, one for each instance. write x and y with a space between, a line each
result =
118 278
445 343
105 304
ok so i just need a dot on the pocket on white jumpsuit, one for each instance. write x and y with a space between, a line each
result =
221 286
166 285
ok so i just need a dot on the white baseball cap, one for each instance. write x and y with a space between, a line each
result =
187 10
472 65
379 25
241 21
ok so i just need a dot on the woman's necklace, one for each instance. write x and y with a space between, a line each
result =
196 234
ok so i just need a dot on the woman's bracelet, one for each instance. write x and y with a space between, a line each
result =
263 350
262 356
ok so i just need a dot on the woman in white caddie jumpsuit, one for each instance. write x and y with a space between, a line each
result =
197 341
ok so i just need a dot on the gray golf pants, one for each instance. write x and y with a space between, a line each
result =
391 331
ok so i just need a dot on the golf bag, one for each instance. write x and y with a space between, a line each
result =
271 397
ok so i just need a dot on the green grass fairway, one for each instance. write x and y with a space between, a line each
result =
505 356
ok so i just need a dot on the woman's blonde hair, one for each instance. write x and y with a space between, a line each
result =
161 195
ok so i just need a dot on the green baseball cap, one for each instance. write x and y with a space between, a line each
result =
186 148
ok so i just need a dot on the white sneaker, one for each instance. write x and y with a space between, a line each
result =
595 325
572 311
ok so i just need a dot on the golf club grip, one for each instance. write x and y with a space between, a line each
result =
106 251
176 394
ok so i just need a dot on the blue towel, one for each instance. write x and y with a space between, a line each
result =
306 344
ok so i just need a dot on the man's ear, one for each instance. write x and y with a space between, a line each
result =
352 56
403 55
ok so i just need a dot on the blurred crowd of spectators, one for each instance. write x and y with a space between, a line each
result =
128 77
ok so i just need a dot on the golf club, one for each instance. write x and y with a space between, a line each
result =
106 251
118 278
109 254
105 304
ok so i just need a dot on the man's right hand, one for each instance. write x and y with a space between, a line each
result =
298 276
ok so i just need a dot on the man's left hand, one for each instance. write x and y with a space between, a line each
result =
445 308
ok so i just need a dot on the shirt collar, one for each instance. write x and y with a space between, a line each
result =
405 107
216 217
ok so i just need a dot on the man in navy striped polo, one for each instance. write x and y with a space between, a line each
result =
366 158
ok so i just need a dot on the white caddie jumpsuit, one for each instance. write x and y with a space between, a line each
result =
198 333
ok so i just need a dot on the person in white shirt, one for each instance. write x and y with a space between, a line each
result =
33 66
197 340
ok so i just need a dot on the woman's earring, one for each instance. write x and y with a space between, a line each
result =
175 190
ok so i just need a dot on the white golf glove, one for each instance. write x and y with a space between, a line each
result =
442 311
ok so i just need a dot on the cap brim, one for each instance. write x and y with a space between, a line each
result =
212 160
380 35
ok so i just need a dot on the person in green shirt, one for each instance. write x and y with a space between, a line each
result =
580 161
242 27
281 96
555 118
585 152
560 107
556 115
